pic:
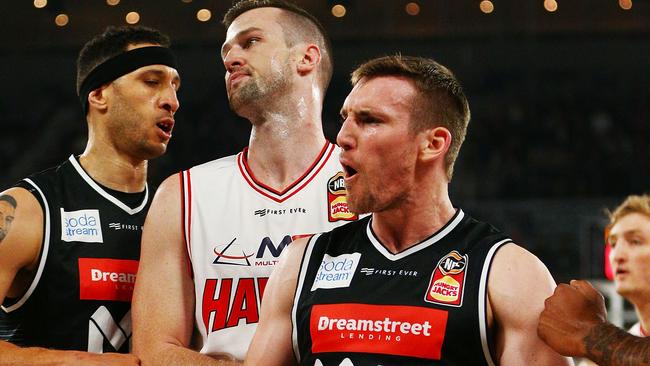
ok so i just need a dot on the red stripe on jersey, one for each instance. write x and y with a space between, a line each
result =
261 187
186 224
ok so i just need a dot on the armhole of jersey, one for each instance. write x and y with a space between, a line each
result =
186 216
45 246
301 280
486 338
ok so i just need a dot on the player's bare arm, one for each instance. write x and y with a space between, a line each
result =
20 242
272 343
608 345
517 286
20 245
163 300
574 323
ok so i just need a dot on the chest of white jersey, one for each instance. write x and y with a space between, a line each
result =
236 228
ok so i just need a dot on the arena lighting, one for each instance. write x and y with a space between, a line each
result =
132 17
412 9
40 4
112 2
203 15
550 5
625 4
339 10
486 6
61 20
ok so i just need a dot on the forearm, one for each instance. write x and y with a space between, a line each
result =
171 354
608 345
12 355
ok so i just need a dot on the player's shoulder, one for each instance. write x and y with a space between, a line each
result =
214 166
47 177
514 266
39 186
173 184
346 231
512 251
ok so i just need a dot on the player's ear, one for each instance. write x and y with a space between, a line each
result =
308 58
98 98
434 143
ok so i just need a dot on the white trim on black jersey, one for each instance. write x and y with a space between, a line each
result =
482 297
186 209
108 196
45 248
417 247
301 280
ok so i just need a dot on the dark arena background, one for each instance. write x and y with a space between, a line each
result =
559 92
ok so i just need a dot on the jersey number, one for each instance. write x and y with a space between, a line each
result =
102 326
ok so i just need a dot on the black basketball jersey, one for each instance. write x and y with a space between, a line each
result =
357 304
80 298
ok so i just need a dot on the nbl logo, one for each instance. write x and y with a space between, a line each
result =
337 201
453 263
448 280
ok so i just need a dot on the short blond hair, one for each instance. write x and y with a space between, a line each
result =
632 204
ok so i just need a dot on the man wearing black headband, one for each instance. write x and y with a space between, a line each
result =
69 260
215 232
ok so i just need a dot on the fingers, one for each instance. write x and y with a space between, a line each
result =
587 290
561 291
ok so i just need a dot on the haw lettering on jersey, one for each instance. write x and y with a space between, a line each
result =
225 303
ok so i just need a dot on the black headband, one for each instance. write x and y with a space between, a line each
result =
123 64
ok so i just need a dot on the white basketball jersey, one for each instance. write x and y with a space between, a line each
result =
235 228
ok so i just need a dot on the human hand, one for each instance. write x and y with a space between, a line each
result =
569 315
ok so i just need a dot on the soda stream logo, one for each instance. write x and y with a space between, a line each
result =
336 272
83 225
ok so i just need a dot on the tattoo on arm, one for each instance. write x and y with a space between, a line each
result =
8 206
608 345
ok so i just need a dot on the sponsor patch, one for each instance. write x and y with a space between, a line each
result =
448 280
82 225
280 212
336 272
337 201
120 226
231 254
409 331
368 271
107 279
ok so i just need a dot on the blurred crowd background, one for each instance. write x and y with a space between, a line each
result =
559 93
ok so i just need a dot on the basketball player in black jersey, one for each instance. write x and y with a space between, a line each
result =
69 259
418 282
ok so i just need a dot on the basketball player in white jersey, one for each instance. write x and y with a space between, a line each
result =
216 231
574 321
